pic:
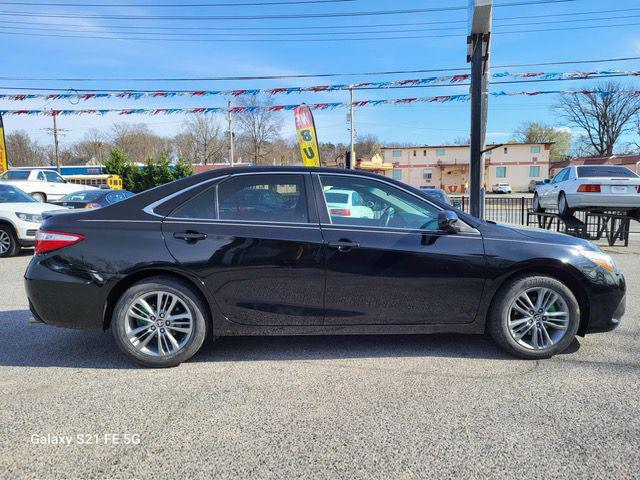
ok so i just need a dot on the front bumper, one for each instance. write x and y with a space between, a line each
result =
607 305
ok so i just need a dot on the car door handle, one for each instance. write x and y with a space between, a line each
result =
190 236
343 245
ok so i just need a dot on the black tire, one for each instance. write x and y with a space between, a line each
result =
563 206
10 246
40 197
499 316
536 204
192 304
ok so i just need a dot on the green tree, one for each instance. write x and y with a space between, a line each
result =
181 169
536 132
117 163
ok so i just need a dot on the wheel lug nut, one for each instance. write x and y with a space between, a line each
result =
167 323
162 330
153 327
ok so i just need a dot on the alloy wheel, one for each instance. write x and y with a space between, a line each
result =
5 242
538 318
158 323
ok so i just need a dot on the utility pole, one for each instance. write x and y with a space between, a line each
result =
55 131
230 128
478 55
352 131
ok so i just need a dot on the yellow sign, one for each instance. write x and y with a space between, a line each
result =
3 149
307 137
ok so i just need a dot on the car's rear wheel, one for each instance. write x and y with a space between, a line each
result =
537 208
534 316
159 322
9 245
563 206
40 197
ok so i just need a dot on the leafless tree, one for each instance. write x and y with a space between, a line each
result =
257 127
604 115
139 143
91 149
201 140
23 151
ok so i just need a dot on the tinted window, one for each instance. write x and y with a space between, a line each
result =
118 196
9 194
384 205
273 198
437 194
605 171
335 197
199 207
16 175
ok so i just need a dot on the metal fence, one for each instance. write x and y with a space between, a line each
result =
612 226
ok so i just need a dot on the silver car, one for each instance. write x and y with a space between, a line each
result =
592 188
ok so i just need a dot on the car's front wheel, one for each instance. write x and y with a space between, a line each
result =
534 316
40 197
159 322
9 245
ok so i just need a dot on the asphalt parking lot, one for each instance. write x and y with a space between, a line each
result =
400 407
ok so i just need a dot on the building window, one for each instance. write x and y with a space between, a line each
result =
506 150
396 174
415 153
534 159
396 154
501 172
424 153
427 174
534 171
535 149
439 152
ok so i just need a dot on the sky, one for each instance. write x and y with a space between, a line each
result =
38 48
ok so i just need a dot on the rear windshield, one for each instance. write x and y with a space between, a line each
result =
83 196
605 171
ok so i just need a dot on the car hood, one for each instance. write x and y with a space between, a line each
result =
534 234
30 207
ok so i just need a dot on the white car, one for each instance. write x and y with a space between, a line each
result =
42 184
347 203
20 218
589 187
501 188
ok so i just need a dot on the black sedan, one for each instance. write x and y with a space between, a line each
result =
93 198
197 258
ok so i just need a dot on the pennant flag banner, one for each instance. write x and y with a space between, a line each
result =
4 166
450 80
307 136
314 106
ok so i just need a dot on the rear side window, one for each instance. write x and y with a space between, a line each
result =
605 171
272 198
201 207
16 175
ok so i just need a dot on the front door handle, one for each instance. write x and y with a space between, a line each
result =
190 236
343 245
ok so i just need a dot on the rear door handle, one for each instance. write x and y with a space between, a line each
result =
190 236
343 245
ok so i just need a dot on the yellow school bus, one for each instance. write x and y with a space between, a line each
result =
114 182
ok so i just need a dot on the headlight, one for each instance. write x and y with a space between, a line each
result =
29 217
602 259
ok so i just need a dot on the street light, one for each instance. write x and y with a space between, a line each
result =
478 41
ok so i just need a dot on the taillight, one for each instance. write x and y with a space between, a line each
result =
341 212
638 188
47 241
589 188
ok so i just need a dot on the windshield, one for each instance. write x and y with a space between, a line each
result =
10 194
83 196
605 171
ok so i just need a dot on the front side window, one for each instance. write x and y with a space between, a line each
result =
53 177
501 172
379 205
271 198
562 176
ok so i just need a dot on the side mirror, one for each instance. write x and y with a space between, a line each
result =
546 180
448 221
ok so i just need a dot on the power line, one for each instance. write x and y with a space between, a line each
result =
277 16
318 75
112 5
321 39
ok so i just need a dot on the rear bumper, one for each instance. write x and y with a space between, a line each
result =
596 200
